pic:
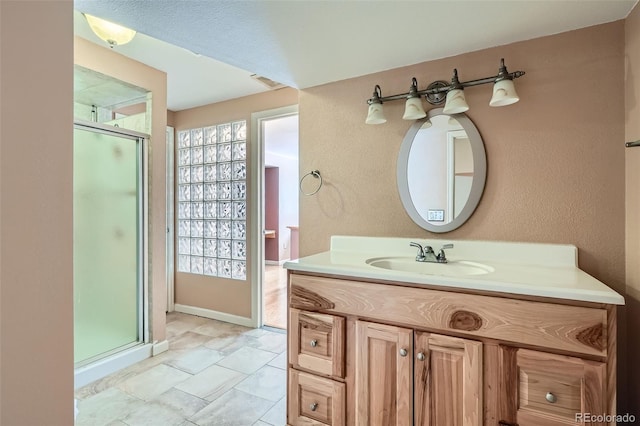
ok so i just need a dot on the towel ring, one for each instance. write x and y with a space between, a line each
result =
315 174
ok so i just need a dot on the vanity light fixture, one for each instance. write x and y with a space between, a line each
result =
376 114
451 94
504 92
114 34
413 107
456 102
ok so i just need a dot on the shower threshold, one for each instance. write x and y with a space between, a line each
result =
115 360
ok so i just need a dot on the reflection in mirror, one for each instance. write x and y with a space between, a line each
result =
441 171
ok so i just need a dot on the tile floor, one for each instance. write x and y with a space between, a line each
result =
214 373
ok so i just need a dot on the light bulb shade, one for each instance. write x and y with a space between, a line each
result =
504 93
113 34
456 102
376 114
413 109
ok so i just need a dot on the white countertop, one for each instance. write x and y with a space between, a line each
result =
546 270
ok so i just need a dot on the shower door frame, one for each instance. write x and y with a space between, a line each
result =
142 141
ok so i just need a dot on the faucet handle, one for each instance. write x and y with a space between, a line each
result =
442 257
420 255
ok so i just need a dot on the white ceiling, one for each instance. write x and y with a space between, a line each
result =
305 43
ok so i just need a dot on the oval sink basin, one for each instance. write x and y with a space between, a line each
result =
409 264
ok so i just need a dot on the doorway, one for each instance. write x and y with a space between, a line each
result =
277 133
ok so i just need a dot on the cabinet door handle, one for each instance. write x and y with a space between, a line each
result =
314 406
313 343
421 356
551 397
403 352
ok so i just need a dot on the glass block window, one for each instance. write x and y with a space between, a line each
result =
212 200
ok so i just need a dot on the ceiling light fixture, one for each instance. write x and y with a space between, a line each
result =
114 34
451 94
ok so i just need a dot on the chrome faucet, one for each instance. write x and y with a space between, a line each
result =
426 253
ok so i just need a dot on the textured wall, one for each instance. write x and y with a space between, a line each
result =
220 294
36 151
632 157
555 160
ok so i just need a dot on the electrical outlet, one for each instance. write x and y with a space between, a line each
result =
435 215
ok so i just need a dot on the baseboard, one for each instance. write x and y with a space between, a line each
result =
275 262
209 313
159 347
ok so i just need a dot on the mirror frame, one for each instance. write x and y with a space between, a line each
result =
479 173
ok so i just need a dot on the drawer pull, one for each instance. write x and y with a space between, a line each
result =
314 406
551 397
314 343
403 352
421 356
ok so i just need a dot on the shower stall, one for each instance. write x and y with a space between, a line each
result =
109 227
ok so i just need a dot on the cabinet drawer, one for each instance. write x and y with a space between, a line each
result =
315 400
552 389
316 342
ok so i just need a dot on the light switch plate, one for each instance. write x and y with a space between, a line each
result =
435 215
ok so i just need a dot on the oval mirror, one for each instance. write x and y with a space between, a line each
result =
442 168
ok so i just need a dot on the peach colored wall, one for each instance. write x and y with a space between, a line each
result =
107 61
171 118
555 159
632 167
36 152
220 294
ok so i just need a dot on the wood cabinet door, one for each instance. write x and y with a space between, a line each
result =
448 381
383 375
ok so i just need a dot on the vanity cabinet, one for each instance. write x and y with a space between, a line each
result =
366 352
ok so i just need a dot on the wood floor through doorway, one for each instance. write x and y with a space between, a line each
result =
275 296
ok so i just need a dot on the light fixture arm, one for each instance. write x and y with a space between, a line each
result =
376 97
440 87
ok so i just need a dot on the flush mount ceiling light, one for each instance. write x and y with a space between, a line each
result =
451 94
114 34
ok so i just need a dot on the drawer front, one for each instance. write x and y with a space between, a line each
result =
315 400
316 342
552 389
570 328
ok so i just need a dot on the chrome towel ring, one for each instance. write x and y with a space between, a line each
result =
315 174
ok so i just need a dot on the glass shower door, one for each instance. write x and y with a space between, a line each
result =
107 227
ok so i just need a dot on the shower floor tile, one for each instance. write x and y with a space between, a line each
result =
212 371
